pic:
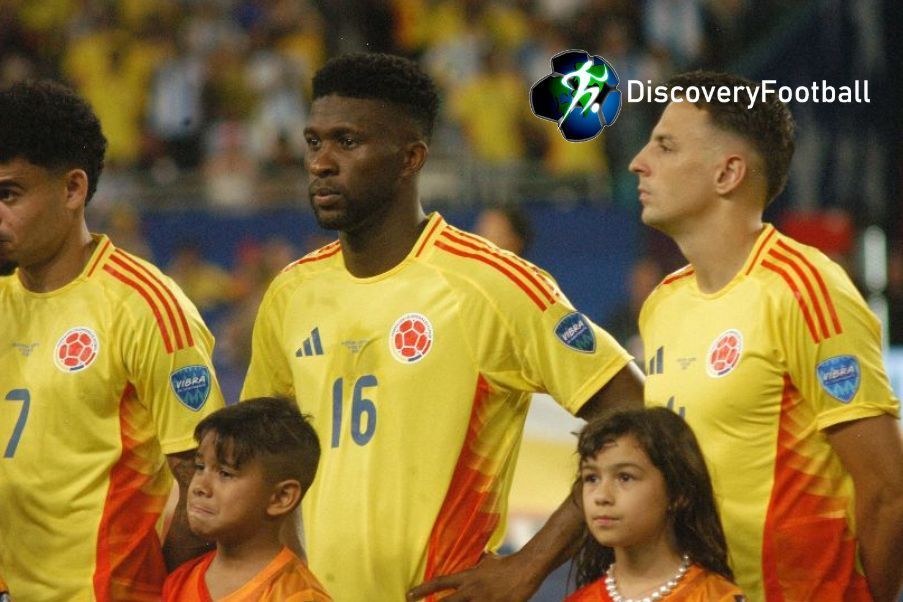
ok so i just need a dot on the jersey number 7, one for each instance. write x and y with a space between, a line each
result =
23 396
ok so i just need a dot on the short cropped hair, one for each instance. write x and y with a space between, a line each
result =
768 125
271 429
48 124
378 76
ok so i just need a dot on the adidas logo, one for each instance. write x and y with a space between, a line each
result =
311 345
657 363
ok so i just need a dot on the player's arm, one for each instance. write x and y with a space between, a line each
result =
518 576
181 544
871 450
269 374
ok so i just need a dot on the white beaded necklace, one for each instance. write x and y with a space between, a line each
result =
658 594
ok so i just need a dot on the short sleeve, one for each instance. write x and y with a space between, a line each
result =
170 365
542 344
269 373
834 353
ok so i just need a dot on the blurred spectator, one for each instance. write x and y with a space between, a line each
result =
230 166
256 265
895 293
623 323
506 226
617 43
676 27
230 170
123 226
280 109
175 115
494 118
208 285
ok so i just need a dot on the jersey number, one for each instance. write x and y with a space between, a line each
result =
23 396
363 410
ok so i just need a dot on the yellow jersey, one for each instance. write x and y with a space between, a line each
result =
99 380
418 381
759 370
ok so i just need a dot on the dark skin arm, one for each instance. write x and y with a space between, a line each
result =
516 577
181 544
871 450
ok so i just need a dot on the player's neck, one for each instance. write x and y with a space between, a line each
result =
237 563
63 265
380 246
718 250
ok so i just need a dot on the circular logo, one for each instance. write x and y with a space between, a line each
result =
76 350
411 338
581 95
724 354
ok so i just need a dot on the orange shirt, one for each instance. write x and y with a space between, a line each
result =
285 579
698 585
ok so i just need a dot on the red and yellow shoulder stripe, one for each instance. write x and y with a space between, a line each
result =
137 275
523 274
680 274
789 260
323 252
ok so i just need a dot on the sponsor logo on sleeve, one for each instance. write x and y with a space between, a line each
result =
76 349
191 385
840 377
575 331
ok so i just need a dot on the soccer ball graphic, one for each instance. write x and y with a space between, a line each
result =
76 349
411 338
724 354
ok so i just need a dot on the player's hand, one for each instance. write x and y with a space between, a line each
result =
494 579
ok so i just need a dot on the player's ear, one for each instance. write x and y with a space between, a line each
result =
76 188
730 174
415 154
284 498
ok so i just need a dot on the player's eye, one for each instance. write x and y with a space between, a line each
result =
625 477
348 142
590 477
198 467
226 474
6 195
312 143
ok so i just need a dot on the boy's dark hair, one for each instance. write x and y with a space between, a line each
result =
386 77
768 125
271 429
48 124
672 448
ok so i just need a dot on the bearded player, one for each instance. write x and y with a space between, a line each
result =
416 347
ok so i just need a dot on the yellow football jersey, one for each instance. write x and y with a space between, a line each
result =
98 381
759 369
418 380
